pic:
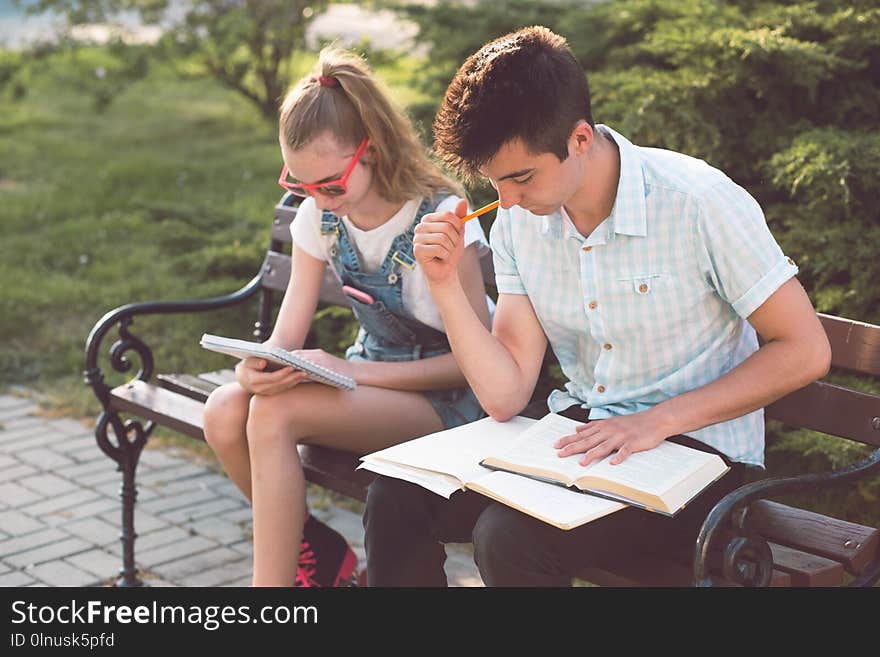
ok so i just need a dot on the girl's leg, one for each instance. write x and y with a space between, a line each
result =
226 413
360 421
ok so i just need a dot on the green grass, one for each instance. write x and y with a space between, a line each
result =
166 194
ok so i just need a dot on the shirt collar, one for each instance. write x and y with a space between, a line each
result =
629 213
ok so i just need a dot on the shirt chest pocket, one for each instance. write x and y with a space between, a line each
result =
659 302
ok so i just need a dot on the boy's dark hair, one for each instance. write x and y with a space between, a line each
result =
525 85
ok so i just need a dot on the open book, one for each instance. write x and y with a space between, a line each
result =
449 461
277 356
663 479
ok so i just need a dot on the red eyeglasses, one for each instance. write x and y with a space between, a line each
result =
331 187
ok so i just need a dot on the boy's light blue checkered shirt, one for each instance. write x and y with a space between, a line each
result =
654 302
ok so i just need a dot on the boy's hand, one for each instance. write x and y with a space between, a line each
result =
439 242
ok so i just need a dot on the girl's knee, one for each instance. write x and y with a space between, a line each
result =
272 418
225 414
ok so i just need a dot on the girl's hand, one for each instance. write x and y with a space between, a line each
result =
251 375
438 243
331 362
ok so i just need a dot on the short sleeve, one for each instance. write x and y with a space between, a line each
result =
742 257
305 230
507 279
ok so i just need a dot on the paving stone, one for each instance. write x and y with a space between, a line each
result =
148 541
158 458
61 573
245 547
100 505
58 503
228 574
101 563
218 529
16 578
16 472
100 476
48 484
12 495
18 523
202 510
94 530
163 505
70 426
14 402
55 550
43 457
185 549
77 471
161 476
207 560
78 443
203 481
29 541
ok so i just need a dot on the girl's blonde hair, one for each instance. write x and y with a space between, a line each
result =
355 106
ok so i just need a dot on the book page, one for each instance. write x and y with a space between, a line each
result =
654 471
458 451
534 449
551 503
435 482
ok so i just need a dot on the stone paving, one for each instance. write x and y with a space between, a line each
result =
60 512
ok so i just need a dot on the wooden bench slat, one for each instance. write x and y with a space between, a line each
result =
168 408
853 545
650 570
854 345
284 216
188 385
276 274
335 470
830 409
806 569
218 377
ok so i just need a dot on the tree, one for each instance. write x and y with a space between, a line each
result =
782 96
245 44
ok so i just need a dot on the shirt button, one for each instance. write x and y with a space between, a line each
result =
600 388
643 288
593 305
606 346
587 248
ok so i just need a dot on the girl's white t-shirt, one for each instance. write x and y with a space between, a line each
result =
372 246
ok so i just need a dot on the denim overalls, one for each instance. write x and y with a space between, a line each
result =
387 332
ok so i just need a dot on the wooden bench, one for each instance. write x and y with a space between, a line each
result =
747 539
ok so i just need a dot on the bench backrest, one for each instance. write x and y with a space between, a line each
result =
820 406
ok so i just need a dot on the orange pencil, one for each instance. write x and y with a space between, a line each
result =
482 210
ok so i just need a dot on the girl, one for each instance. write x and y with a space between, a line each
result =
367 182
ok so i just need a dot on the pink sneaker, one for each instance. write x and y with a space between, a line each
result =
325 558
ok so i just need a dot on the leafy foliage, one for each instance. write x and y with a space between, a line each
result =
245 44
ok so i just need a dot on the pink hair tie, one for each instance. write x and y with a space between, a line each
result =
327 81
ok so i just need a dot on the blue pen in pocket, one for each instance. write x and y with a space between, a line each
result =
358 295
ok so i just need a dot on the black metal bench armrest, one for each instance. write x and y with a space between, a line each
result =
731 513
123 317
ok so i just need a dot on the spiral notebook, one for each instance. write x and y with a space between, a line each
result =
278 356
